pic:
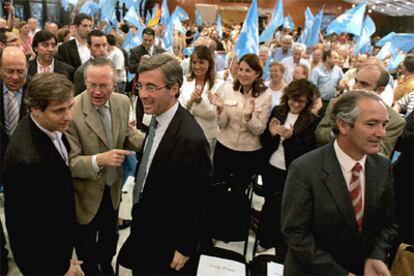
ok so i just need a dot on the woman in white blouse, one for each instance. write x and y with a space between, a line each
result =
276 82
243 109
194 92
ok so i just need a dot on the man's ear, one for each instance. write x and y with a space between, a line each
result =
175 88
343 126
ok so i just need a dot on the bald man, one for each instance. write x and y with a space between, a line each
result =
13 76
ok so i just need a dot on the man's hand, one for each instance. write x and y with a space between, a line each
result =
375 267
112 158
178 261
74 268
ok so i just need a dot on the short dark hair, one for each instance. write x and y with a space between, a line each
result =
148 31
111 39
255 63
204 53
42 36
46 88
409 63
80 17
97 33
297 89
326 54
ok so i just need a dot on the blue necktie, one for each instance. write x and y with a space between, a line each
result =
142 170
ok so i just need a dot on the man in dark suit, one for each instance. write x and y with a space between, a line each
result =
45 46
13 74
338 203
173 180
75 52
39 200
146 48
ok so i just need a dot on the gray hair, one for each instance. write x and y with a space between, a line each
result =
265 49
101 61
47 88
287 37
170 67
346 107
299 46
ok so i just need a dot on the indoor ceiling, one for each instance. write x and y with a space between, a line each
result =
389 7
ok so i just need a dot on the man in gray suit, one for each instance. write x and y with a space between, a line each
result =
338 203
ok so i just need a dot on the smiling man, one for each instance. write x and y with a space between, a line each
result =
39 203
173 179
338 203
45 46
98 135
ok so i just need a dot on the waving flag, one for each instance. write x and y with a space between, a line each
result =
385 39
386 51
181 13
90 8
165 13
65 5
133 18
395 61
175 19
288 22
219 26
156 14
308 26
198 18
107 8
142 7
368 29
349 22
313 37
248 41
277 20
168 38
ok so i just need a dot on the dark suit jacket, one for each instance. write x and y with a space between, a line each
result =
79 79
39 202
318 219
171 214
137 53
60 67
68 53
302 140
4 138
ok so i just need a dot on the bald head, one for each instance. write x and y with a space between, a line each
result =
13 69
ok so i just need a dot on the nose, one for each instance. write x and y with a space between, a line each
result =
380 131
68 115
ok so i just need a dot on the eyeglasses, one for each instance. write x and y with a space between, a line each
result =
149 87
101 86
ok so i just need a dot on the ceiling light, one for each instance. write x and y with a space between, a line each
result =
369 11
382 10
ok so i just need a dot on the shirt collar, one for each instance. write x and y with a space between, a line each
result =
106 105
346 162
52 135
43 67
165 118
6 90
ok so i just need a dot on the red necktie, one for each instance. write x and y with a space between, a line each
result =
356 194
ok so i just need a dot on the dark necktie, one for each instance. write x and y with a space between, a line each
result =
142 170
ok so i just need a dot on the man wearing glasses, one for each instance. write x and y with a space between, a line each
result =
98 135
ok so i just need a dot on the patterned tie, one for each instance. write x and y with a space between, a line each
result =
356 194
13 113
142 170
105 113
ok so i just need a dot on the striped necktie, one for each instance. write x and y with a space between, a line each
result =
356 194
12 112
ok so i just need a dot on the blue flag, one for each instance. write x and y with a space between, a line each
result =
107 8
142 7
308 26
154 9
181 13
165 13
188 51
349 22
133 18
65 5
198 18
395 61
368 29
313 37
148 17
266 68
168 38
248 41
219 26
386 51
288 22
90 8
175 19
385 39
277 20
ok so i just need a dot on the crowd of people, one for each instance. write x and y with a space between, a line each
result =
321 125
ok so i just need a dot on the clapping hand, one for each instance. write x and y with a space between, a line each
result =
274 125
216 100
196 95
285 132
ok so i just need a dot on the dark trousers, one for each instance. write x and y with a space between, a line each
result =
3 252
270 234
161 266
96 242
235 167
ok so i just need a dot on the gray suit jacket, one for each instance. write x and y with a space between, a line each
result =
318 219
86 136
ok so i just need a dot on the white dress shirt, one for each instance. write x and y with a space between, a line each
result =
290 66
347 163
48 69
84 52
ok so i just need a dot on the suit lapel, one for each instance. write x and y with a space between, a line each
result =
335 182
371 188
92 118
74 52
167 142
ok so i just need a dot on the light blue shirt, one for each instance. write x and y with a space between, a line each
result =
19 96
326 80
278 54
